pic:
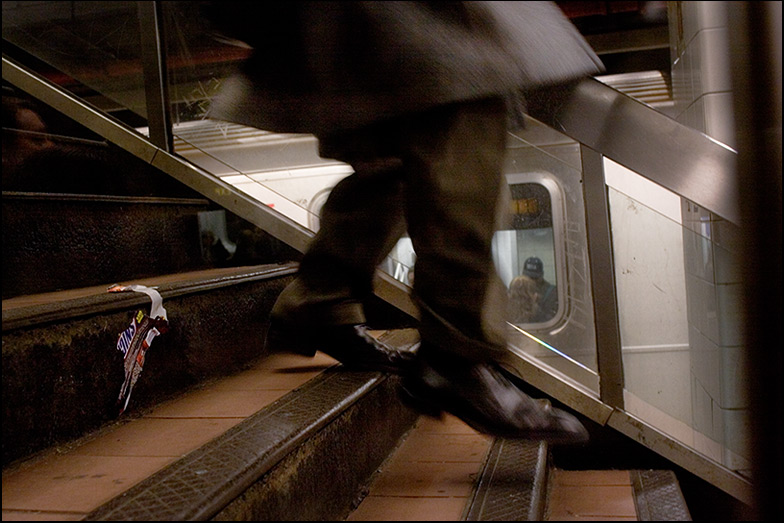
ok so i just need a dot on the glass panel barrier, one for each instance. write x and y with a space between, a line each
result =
541 254
282 171
678 292
92 49
285 172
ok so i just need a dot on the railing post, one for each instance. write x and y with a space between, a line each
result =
156 82
605 301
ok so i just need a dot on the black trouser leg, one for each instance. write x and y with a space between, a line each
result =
444 169
360 223
453 159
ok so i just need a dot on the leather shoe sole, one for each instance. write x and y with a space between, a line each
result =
480 395
352 345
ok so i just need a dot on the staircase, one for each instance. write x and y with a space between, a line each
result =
216 427
291 438
82 215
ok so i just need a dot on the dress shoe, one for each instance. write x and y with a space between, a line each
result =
480 395
352 345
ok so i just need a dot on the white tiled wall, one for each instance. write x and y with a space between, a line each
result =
703 100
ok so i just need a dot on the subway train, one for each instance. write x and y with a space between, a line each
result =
639 243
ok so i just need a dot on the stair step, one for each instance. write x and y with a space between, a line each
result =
638 495
658 496
305 454
55 241
429 477
62 371
304 457
67 241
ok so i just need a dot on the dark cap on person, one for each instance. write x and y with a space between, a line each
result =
533 267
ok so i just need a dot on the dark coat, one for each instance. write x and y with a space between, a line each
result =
320 67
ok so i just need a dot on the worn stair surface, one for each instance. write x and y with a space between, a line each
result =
247 446
287 438
444 470
273 458
289 435
62 371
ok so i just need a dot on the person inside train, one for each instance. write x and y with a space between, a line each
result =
416 97
523 300
546 293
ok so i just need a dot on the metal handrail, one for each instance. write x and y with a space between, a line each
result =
679 158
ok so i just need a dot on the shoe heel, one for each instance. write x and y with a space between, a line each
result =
281 340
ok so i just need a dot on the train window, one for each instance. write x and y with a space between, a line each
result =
526 254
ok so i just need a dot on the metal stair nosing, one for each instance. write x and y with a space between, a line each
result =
307 456
512 485
658 496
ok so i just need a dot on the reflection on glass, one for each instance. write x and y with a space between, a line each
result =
546 222
198 61
90 48
525 256
532 299
678 297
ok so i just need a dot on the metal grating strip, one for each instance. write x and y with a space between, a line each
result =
512 484
658 496
204 481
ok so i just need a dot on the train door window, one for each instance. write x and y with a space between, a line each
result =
529 255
